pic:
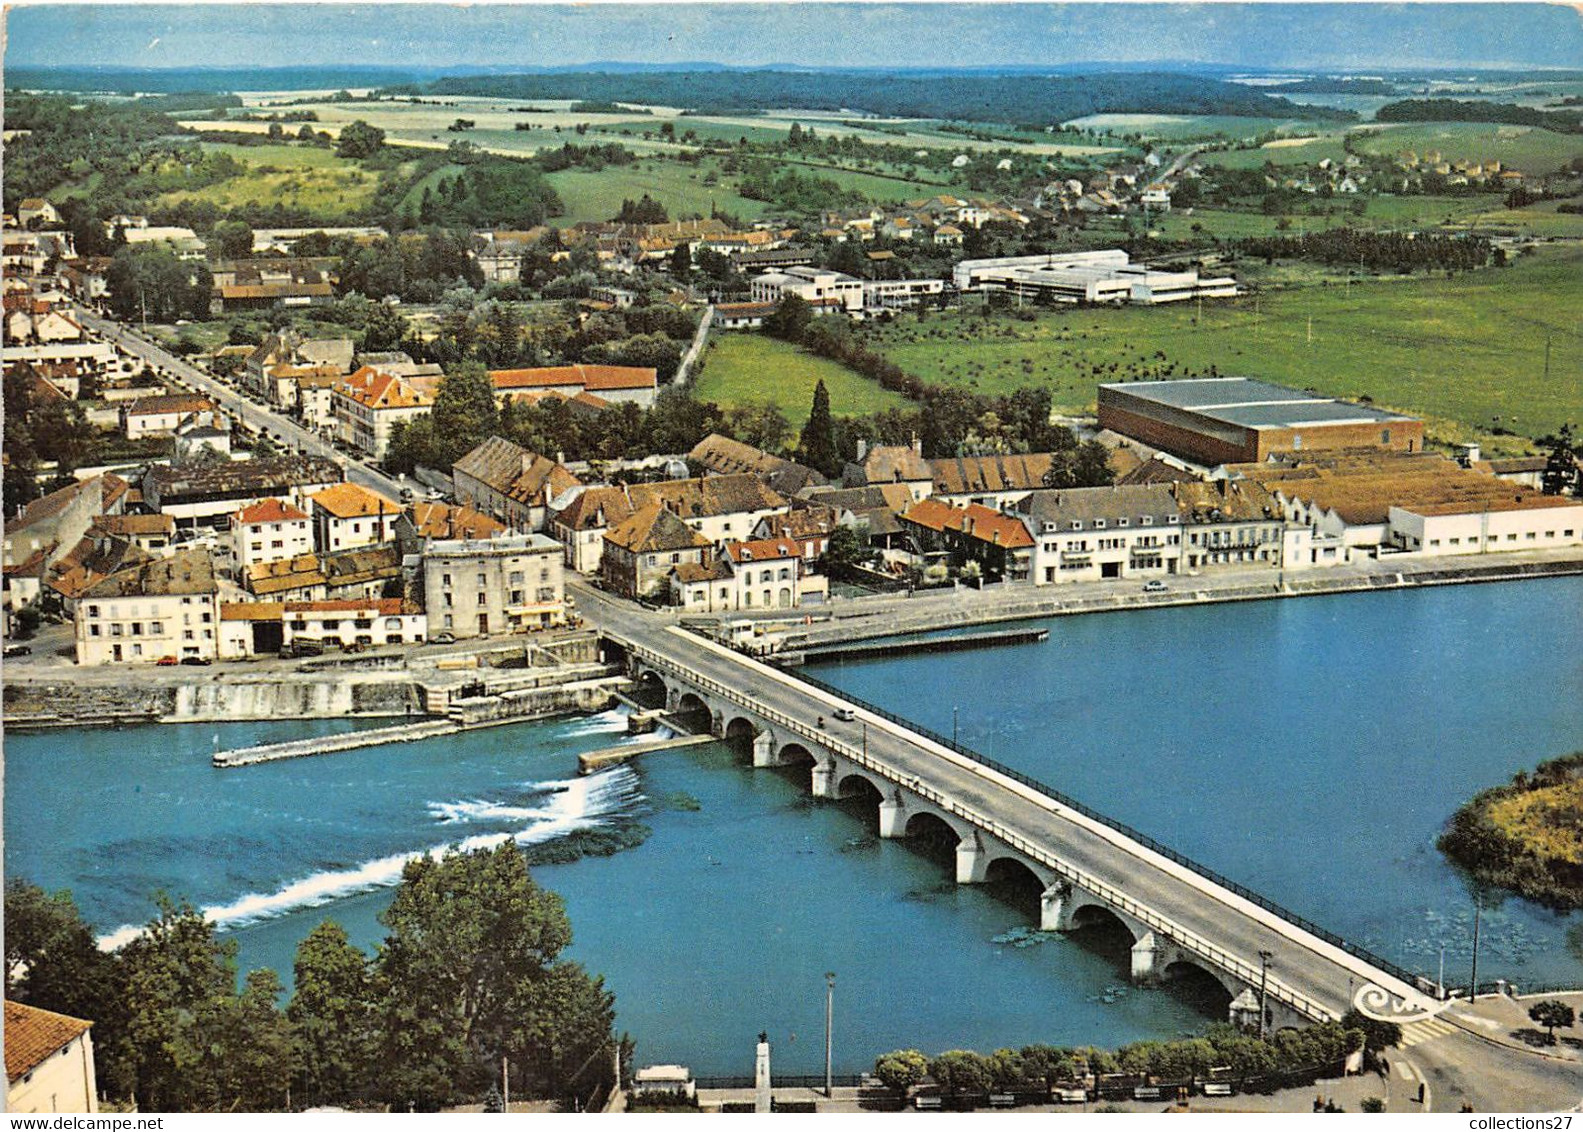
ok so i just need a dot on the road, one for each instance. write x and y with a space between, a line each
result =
253 416
1303 966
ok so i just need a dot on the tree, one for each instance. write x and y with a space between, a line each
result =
681 261
1561 473
235 238
962 1071
176 978
1085 465
331 1010
51 958
258 1055
1377 1035
789 319
464 413
469 973
1552 1014
845 549
358 140
816 446
901 1069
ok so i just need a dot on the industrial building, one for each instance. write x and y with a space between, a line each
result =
1087 277
1237 420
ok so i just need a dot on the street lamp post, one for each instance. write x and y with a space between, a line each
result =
1264 982
829 1018
954 710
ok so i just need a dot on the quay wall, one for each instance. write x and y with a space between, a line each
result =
213 699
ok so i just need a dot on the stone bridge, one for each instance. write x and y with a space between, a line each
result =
1181 920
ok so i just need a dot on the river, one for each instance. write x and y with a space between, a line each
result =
1310 749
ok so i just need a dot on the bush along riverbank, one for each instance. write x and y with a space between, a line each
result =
1526 836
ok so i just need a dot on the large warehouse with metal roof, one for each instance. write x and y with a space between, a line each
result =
1238 420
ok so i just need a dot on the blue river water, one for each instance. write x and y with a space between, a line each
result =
1310 749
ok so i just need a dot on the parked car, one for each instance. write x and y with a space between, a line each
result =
18 650
845 713
166 662
442 639
1155 587
201 661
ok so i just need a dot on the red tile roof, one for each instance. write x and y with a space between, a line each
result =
597 379
270 511
32 1036
975 521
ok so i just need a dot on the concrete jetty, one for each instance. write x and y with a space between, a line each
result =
326 744
590 761
959 641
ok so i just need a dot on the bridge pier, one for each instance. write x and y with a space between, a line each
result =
763 749
1148 960
1055 908
893 816
824 779
972 861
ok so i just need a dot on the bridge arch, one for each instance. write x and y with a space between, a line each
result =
855 785
694 708
1100 921
798 762
739 734
1202 985
1016 882
932 829
649 689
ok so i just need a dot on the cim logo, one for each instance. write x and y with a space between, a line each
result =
1381 1005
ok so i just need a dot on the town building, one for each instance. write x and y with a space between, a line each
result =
997 482
347 516
809 526
202 494
771 574
641 550
635 385
509 482
473 587
1230 523
48 1061
269 531
721 508
432 520
580 526
368 404
165 608
1085 534
899 294
891 464
353 624
999 543
722 456
207 433
1383 502
1234 420
161 416
815 286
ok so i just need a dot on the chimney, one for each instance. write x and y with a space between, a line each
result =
917 446
862 449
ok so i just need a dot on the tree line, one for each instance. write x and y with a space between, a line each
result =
1376 251
1038 1068
1460 110
470 972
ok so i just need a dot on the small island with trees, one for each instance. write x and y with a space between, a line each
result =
1526 836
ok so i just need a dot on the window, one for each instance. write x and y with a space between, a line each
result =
137 627
448 622
1512 537
1147 520
1385 436
1121 522
93 630
1530 536
516 597
93 610
186 634
483 598
445 579
1297 441
445 600
1099 524
516 577
156 627
482 580
1550 534
206 618
675 558
1077 525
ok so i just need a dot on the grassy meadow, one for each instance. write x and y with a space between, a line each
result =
745 368
304 177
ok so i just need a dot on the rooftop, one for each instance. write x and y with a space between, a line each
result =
351 501
1251 403
974 520
270 511
188 572
32 1036
597 379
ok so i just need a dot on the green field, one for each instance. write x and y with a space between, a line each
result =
744 368
1306 151
1169 127
680 188
1525 148
304 177
1466 353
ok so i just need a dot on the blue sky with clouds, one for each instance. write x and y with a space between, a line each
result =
819 34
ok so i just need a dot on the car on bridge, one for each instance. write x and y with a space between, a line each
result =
844 714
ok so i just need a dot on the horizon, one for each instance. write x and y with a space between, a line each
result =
1304 37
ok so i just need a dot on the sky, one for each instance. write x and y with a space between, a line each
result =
1298 35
